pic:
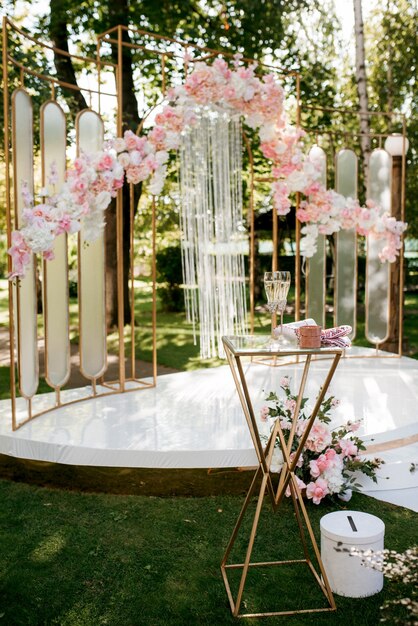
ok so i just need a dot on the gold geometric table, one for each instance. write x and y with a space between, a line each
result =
261 347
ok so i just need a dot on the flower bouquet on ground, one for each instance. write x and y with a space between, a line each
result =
330 459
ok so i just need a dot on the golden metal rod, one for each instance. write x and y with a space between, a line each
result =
244 395
402 250
299 399
343 133
240 518
317 406
351 111
253 533
54 48
295 494
251 221
52 79
265 563
135 46
163 86
98 79
328 594
154 291
223 53
132 278
119 224
6 105
297 223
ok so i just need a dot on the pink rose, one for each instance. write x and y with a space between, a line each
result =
300 484
264 413
131 140
290 405
105 162
317 490
348 447
319 438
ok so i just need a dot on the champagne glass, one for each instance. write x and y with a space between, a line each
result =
283 290
276 285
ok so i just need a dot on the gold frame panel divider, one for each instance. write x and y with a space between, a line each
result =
24 336
377 292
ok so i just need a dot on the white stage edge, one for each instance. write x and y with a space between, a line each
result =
194 420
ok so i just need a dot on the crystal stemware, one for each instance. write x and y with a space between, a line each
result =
276 285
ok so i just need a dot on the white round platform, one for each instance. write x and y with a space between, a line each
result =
194 419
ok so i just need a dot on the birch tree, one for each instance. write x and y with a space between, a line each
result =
361 81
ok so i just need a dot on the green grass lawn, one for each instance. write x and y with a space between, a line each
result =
77 559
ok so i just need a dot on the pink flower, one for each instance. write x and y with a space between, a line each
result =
105 162
290 405
285 382
317 490
319 438
157 137
132 142
64 225
21 254
264 413
48 255
300 484
322 463
348 447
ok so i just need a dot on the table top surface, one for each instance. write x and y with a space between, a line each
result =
253 345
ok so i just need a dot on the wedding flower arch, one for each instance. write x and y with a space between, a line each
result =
93 179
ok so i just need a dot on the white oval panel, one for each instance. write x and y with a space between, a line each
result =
316 265
26 309
91 267
55 282
345 294
377 273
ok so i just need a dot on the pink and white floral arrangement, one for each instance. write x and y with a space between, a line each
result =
330 458
93 179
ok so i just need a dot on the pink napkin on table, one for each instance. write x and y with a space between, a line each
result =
336 336
329 337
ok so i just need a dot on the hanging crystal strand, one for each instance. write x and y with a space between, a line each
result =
187 222
211 216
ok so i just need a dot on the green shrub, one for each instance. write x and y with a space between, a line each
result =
169 277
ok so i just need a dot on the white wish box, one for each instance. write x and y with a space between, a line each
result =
341 531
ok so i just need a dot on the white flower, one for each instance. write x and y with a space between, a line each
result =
39 239
124 159
161 156
102 200
156 183
119 144
172 140
277 460
135 157
346 495
267 132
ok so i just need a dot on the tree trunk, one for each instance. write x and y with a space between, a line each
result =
58 32
119 14
361 80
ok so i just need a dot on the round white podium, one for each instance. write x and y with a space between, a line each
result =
341 531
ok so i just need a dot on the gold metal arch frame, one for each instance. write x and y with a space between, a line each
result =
174 50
